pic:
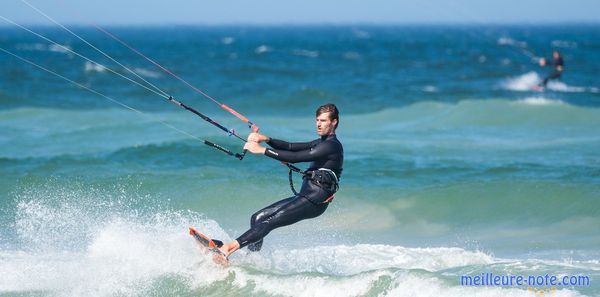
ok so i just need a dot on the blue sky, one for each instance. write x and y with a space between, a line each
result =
165 12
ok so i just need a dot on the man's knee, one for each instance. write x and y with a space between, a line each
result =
255 218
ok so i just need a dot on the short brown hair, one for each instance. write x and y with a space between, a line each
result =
332 110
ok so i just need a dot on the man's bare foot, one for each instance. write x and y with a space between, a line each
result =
230 248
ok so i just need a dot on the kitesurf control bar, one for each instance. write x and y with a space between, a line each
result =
206 118
218 147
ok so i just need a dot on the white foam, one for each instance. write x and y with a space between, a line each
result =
32 47
305 286
124 258
306 53
263 49
510 41
430 89
146 72
59 48
540 101
522 82
562 87
117 250
351 260
586 265
227 40
564 43
93 67
361 34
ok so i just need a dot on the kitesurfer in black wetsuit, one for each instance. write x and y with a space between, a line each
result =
320 181
557 64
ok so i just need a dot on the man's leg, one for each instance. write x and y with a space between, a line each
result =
233 246
294 210
553 75
263 213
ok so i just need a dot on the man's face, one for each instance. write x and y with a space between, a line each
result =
325 126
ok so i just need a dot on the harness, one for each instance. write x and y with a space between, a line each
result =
322 177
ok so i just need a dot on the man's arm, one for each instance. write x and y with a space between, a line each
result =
320 151
288 146
280 144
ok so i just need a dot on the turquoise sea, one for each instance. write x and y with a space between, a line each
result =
453 166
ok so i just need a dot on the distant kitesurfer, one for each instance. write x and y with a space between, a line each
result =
320 181
557 64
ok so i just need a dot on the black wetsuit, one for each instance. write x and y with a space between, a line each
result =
557 69
317 189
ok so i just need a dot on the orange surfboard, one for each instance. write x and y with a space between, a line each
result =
537 88
208 245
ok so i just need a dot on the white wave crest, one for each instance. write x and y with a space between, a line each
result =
523 82
32 47
146 73
430 89
510 41
539 101
564 43
351 260
227 40
59 48
361 34
306 53
94 67
263 49
562 87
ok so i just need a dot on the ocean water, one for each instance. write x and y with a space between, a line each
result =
453 166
